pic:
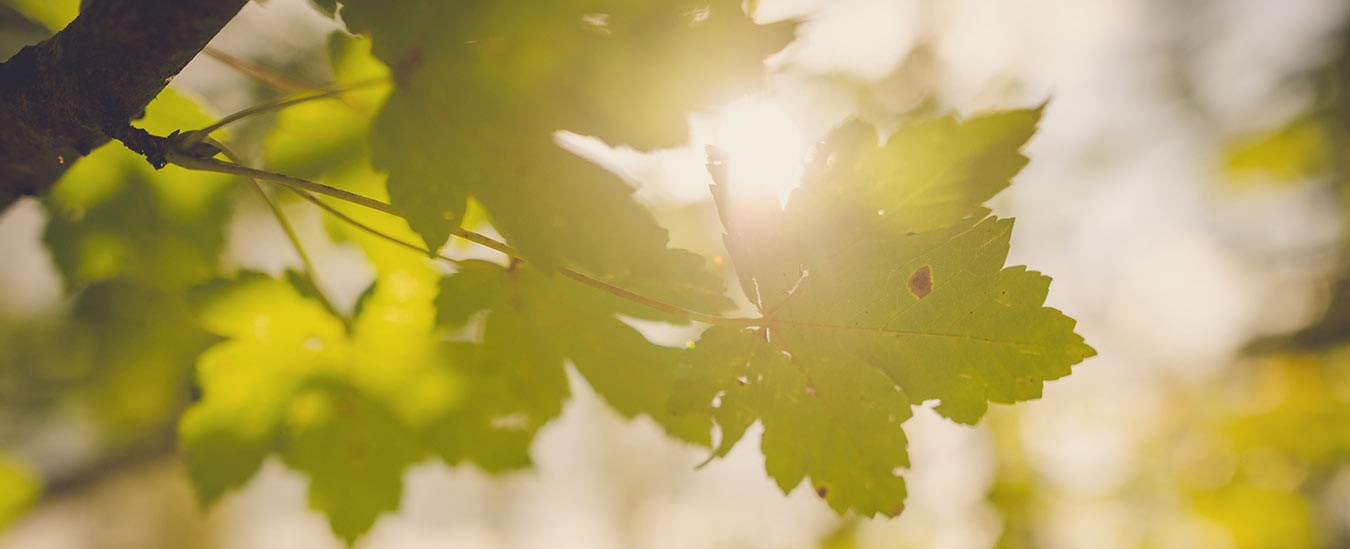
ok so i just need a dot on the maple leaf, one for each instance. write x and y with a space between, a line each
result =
483 86
112 215
881 285
316 138
563 320
351 409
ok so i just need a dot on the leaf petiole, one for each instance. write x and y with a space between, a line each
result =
286 226
304 187
266 76
330 90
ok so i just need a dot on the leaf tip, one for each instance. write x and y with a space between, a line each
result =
1088 350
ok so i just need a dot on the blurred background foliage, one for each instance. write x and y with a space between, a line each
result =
1188 192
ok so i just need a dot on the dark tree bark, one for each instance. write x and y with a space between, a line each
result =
63 98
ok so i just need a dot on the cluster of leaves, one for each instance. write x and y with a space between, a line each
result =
127 242
880 286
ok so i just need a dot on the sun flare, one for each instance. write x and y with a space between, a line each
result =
764 147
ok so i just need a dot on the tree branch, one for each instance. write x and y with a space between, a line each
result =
64 97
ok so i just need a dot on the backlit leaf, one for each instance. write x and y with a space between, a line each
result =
354 451
483 86
18 490
317 137
563 321
139 344
350 410
112 215
882 285
53 14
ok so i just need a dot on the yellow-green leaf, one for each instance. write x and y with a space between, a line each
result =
112 215
19 489
483 86
562 320
882 284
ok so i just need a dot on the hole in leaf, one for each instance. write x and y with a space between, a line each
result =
513 422
596 22
698 15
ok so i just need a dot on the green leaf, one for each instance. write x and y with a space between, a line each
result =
314 138
122 357
112 215
882 284
139 343
128 240
354 451
1298 151
339 408
350 410
479 119
277 341
19 489
53 14
289 379
563 320
490 425
823 415
480 425
328 7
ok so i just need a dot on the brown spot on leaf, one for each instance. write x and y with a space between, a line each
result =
896 511
921 282
404 68
822 490
360 450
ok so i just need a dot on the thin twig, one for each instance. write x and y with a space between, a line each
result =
286 226
180 153
304 185
330 90
269 77
215 165
649 302
367 228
